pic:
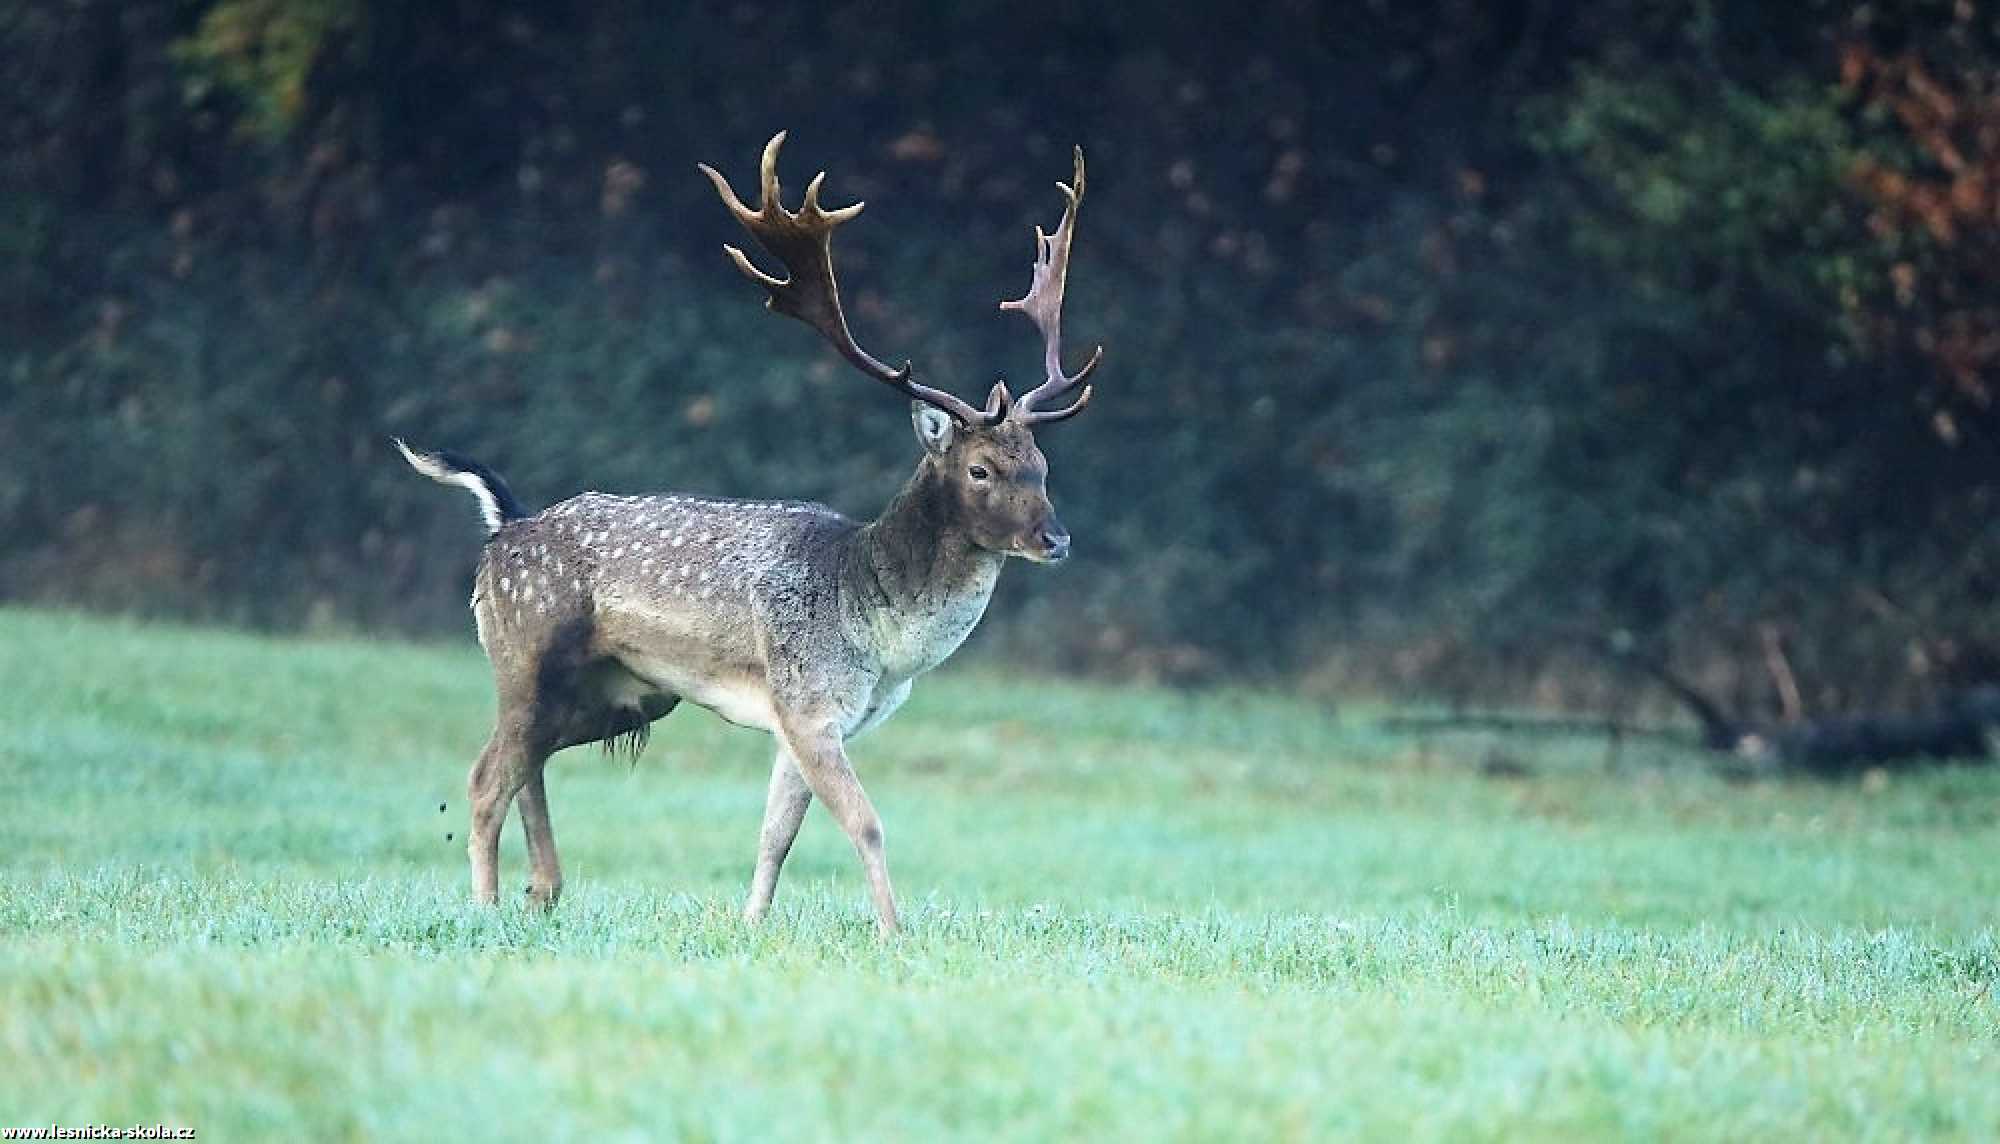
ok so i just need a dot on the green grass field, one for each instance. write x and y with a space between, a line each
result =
230 903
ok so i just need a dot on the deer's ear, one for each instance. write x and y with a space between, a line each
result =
934 426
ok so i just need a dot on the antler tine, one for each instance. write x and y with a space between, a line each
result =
1043 305
801 241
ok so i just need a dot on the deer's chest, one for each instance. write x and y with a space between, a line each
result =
914 637
882 704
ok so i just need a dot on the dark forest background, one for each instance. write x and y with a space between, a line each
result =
1445 341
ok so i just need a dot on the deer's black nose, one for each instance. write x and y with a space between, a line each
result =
1054 540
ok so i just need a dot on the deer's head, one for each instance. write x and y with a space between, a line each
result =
985 460
993 479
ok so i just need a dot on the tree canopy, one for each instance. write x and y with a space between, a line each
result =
1440 336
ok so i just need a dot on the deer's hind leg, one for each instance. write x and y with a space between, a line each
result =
579 703
538 695
512 756
544 869
613 714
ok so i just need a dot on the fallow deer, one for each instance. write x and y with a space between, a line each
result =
603 613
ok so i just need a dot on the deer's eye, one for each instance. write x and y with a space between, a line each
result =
978 473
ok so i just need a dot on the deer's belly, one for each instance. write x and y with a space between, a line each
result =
744 702
708 658
734 690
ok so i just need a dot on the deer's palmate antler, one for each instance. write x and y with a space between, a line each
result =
1043 304
802 241
604 613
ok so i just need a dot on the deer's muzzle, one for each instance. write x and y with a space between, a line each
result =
1051 543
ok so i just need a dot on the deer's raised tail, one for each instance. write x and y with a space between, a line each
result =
497 505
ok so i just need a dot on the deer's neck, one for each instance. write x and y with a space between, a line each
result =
915 584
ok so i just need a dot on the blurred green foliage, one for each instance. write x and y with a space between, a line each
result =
262 53
1441 338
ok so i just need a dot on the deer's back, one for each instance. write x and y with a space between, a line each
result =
686 593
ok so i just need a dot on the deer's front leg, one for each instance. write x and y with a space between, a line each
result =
815 743
784 808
